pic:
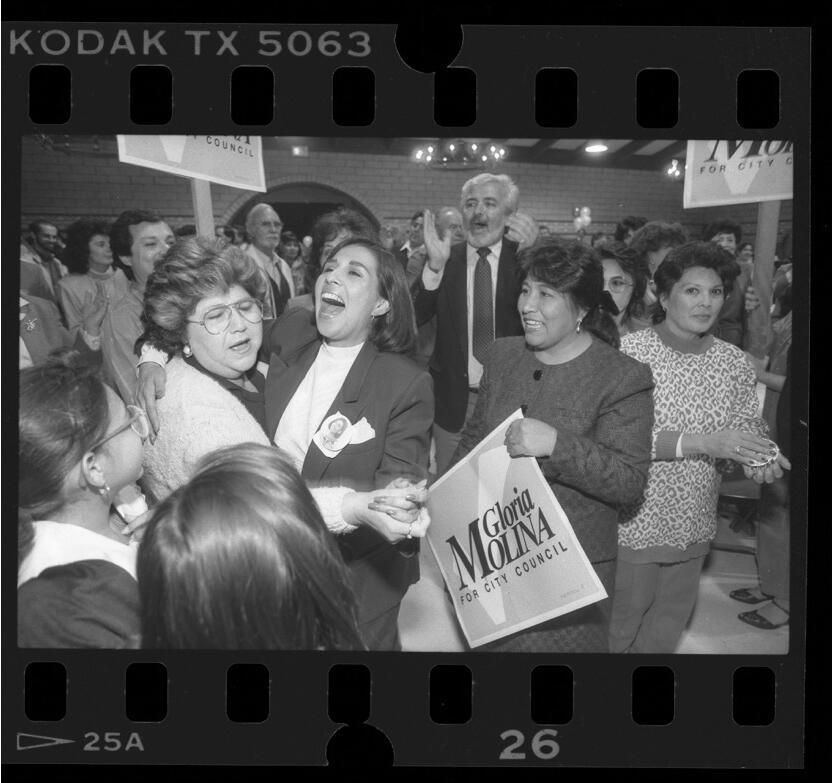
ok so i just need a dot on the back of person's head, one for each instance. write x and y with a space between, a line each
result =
63 412
121 240
575 270
655 236
723 226
395 330
76 255
693 254
192 269
329 225
240 558
188 230
626 225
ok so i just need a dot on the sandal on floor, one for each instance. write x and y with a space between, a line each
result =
747 596
758 621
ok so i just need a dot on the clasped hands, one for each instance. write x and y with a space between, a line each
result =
530 438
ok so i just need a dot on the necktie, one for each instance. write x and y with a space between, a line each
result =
483 317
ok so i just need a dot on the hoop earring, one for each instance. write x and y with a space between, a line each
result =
578 325
186 350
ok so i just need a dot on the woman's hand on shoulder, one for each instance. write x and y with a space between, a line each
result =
530 438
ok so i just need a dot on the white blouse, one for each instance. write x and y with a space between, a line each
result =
313 398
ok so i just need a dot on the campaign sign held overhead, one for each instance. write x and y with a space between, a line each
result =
737 172
227 160
506 550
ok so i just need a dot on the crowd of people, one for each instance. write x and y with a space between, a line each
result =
228 442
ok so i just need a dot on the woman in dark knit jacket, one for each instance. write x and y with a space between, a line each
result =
588 418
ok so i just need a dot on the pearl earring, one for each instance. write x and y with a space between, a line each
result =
578 325
186 350
105 490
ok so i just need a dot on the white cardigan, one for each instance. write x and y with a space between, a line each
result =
197 416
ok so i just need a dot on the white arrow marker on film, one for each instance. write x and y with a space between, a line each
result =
174 147
30 741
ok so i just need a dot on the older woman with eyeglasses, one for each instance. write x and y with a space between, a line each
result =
79 446
204 306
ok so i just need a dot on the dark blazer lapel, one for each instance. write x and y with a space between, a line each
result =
348 401
282 382
458 293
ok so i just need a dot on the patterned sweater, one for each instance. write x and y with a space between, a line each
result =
696 393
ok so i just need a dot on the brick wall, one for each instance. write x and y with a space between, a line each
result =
90 183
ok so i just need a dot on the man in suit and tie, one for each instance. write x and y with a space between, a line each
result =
414 248
472 289
263 226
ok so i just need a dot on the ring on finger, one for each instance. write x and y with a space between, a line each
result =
410 530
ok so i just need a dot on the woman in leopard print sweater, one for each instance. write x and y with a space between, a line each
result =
705 409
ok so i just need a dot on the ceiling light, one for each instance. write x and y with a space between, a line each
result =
596 146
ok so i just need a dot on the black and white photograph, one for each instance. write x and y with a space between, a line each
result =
245 360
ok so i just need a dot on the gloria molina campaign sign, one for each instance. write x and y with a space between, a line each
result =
507 552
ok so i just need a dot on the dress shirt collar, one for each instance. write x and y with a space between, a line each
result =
494 250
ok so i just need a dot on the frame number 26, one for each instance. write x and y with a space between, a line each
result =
543 745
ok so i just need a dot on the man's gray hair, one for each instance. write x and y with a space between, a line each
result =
507 183
253 214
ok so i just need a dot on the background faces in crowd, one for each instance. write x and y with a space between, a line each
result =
45 237
694 302
264 226
150 242
726 241
347 296
618 283
416 232
484 213
100 255
233 351
746 253
450 219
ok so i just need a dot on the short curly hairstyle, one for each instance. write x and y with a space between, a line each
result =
655 235
194 268
76 256
724 226
688 256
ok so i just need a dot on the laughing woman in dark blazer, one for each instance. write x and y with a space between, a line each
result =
588 419
348 407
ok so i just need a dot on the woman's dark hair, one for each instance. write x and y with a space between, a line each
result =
76 255
63 411
633 265
722 227
192 269
655 235
626 225
572 268
705 254
239 558
326 228
395 331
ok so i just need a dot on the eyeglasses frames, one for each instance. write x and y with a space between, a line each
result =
136 420
217 319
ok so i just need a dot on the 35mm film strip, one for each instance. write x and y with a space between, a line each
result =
363 116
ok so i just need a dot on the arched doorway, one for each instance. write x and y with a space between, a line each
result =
300 204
